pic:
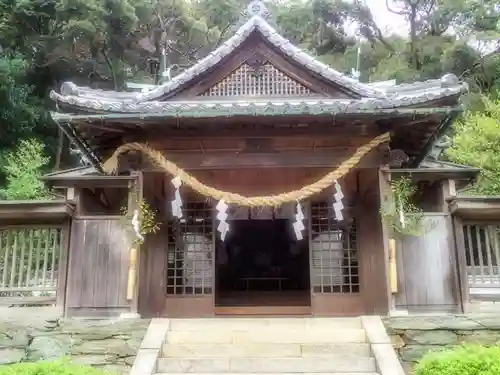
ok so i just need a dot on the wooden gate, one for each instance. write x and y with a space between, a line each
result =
98 267
426 268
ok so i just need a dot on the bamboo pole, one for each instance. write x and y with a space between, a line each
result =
393 266
132 271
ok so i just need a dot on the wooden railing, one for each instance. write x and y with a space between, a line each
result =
29 264
482 253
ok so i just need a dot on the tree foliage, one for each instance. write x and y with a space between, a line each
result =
477 143
23 168
104 43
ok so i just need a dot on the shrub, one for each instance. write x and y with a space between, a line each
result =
60 367
464 360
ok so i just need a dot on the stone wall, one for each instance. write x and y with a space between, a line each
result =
414 336
28 335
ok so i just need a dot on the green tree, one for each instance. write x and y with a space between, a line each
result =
477 143
23 168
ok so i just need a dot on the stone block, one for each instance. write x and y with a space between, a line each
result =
198 365
387 360
303 365
93 359
329 350
437 337
10 356
375 330
423 323
108 346
155 334
146 362
49 347
231 350
219 337
397 341
484 337
301 336
413 353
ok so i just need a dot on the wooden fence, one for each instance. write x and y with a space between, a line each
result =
30 263
482 254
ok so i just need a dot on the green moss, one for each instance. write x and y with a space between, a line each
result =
60 367
463 360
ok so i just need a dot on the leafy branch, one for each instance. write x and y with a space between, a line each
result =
147 222
400 197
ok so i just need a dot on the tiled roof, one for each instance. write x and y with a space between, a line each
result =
372 96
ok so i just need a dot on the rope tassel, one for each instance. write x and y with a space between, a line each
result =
158 159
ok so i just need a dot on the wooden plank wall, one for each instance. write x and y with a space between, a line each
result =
98 268
426 269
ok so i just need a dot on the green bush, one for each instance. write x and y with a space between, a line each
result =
60 367
463 360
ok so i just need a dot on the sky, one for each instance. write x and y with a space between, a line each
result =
387 21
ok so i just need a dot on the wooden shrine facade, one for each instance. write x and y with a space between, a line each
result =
257 117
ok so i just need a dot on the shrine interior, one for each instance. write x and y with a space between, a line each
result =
262 264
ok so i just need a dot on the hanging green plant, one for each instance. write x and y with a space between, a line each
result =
146 218
399 213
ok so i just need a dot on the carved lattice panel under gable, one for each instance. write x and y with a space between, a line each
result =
260 80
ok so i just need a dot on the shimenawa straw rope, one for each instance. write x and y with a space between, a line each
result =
111 165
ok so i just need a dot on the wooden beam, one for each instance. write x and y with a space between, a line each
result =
291 159
323 129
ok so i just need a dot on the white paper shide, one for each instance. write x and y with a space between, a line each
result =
298 225
136 225
177 202
338 206
222 215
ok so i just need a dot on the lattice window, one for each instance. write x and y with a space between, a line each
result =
482 254
264 81
190 251
334 255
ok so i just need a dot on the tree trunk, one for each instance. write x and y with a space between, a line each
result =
413 37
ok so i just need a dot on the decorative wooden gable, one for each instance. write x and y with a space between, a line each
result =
261 79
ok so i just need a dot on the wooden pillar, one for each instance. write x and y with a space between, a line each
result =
373 242
63 267
461 263
448 190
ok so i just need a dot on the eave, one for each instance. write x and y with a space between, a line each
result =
29 211
86 176
332 108
256 105
476 207
428 174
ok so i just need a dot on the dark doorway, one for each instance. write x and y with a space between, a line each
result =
262 265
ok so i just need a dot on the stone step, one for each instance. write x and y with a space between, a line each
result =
247 324
263 350
267 365
316 335
276 373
